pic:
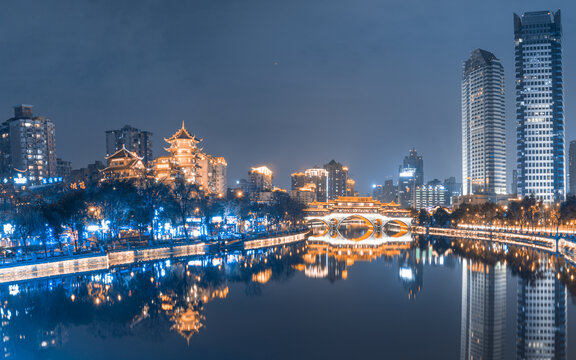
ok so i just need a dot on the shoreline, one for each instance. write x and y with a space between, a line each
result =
94 262
554 245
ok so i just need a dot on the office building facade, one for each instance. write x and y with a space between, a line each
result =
483 125
337 184
572 168
540 106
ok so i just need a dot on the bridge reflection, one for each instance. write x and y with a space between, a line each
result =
355 231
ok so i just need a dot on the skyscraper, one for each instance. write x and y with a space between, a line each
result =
540 106
135 140
415 161
28 146
318 177
337 180
572 168
389 192
483 125
298 180
410 176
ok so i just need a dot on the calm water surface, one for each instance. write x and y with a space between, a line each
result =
307 301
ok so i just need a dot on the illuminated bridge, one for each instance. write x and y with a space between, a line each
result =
358 218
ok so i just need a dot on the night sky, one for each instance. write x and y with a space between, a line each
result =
288 84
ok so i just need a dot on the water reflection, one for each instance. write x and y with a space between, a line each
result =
542 323
541 315
155 301
483 318
411 272
355 228
145 300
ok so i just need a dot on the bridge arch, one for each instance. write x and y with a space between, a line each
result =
327 226
403 227
369 224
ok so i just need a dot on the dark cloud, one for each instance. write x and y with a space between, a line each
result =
290 84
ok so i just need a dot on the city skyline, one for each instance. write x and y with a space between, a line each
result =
294 81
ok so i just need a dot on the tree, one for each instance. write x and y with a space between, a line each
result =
30 222
441 217
73 211
186 196
423 218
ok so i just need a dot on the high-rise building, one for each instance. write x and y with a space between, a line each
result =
483 317
212 172
453 188
337 184
514 190
305 194
572 168
540 106
430 195
415 161
28 146
410 176
63 168
483 125
542 317
134 140
377 192
298 180
260 179
389 192
318 177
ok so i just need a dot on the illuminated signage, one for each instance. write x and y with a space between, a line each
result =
407 172
20 180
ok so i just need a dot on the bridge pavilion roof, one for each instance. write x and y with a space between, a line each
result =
353 204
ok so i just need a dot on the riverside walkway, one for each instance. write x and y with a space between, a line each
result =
57 266
561 243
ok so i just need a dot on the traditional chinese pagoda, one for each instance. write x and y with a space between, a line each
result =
123 165
183 158
186 160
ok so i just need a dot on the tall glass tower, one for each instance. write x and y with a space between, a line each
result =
540 106
483 125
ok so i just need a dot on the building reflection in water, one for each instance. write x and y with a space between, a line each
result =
542 323
330 255
541 316
483 318
411 272
144 299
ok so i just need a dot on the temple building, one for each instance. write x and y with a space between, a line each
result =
183 158
123 165
186 160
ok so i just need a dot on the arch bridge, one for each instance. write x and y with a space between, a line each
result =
379 218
